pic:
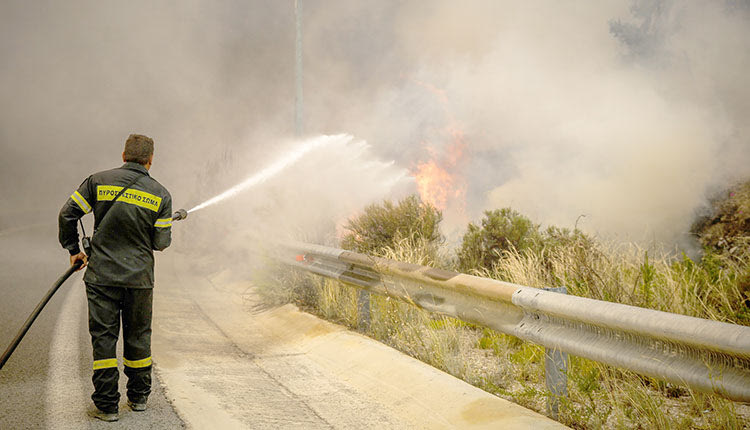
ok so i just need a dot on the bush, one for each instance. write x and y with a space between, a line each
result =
502 231
556 238
386 226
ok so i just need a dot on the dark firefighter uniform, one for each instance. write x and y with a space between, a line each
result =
120 274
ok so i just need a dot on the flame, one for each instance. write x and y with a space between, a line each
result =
433 183
438 177
438 182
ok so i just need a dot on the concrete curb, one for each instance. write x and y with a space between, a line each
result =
226 362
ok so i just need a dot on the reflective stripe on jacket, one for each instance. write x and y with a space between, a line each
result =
138 223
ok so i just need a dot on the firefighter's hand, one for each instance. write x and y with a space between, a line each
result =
80 256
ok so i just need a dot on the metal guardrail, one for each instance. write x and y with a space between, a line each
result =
707 356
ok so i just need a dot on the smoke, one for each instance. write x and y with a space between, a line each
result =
631 113
78 77
634 134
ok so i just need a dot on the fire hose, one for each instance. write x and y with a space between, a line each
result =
177 216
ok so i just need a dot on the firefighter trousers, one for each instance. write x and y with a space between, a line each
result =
107 305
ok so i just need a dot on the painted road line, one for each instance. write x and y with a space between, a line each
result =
65 398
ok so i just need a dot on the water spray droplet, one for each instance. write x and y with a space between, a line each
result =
277 167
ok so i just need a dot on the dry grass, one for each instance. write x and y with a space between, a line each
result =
600 396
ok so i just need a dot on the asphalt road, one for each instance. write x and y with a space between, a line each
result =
46 383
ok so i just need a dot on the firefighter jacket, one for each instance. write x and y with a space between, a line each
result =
123 242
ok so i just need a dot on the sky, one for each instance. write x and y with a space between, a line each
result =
632 113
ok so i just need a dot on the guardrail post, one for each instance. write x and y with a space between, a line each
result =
556 372
363 309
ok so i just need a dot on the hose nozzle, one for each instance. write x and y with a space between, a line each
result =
180 215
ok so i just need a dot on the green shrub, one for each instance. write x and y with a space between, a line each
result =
501 231
388 225
555 238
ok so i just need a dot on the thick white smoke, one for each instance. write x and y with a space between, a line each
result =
630 112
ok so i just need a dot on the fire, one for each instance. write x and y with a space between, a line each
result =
438 178
438 183
433 183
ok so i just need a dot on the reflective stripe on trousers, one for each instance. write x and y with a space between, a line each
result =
108 306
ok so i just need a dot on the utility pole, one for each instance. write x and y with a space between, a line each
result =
298 113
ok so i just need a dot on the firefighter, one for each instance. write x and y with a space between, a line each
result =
132 218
